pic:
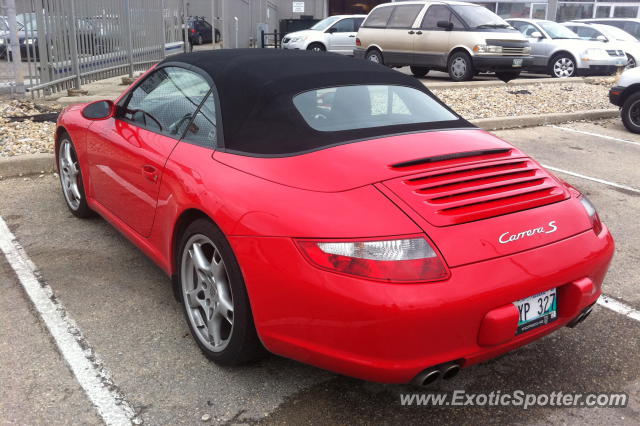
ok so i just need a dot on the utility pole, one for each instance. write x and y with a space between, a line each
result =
16 58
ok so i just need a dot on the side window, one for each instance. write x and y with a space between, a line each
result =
358 23
526 28
434 14
203 129
166 100
457 23
586 33
345 26
378 17
404 16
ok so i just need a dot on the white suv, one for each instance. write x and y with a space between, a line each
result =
333 34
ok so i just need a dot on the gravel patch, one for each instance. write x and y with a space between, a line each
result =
25 137
511 100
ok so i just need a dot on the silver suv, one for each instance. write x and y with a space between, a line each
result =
560 52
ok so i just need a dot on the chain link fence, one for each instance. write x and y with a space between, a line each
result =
64 44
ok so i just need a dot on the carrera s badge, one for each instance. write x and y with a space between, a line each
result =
508 237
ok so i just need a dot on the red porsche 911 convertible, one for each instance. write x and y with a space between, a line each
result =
333 211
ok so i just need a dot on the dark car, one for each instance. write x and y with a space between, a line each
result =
200 31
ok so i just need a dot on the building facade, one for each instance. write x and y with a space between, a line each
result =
240 21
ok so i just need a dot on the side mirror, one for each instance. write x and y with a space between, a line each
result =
445 24
536 34
99 110
332 30
602 38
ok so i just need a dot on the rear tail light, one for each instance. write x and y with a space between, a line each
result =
397 260
193 31
596 224
358 42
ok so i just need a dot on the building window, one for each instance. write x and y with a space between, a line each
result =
570 11
348 7
514 10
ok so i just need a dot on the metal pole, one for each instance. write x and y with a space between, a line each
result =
75 61
235 18
223 22
185 30
213 24
16 58
164 32
127 23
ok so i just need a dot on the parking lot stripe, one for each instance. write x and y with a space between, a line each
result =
568 129
594 179
619 307
93 378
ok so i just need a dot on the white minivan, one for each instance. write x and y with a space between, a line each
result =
335 34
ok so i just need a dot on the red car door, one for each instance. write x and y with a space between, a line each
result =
127 153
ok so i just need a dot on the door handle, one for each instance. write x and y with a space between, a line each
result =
419 33
351 36
150 173
412 32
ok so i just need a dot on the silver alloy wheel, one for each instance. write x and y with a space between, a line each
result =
459 67
374 58
206 292
564 67
316 49
69 171
631 63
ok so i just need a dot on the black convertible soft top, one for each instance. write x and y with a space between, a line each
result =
256 89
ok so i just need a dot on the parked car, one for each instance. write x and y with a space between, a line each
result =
560 52
461 38
626 95
200 31
630 25
613 36
375 232
335 34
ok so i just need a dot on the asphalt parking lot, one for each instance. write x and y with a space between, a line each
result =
130 321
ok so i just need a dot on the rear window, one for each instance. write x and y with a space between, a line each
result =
363 107
404 16
378 17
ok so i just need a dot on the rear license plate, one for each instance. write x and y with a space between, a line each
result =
517 62
537 310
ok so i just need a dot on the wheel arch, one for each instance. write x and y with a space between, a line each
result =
562 52
324 45
60 130
631 90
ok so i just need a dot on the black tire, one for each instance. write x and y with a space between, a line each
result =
374 55
419 72
630 113
78 207
563 65
507 76
243 345
316 47
460 67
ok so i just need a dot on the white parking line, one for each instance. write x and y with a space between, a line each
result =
93 378
568 129
619 307
594 179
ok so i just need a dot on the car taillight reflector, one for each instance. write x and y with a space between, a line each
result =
358 42
396 260
596 224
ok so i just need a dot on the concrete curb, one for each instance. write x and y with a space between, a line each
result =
512 83
501 123
33 164
24 165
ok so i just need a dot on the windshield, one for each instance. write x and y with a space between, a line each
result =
362 107
615 33
479 17
325 23
557 31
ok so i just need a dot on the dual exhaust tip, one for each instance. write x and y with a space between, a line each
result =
583 316
443 371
